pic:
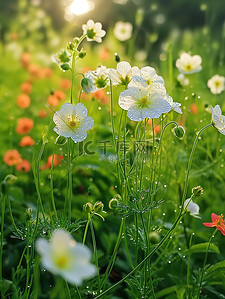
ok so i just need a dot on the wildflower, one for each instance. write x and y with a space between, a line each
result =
62 255
63 59
104 54
123 73
65 84
24 125
72 121
25 59
47 72
93 31
182 80
216 84
56 161
191 207
149 74
23 166
26 87
23 101
142 100
26 141
188 64
123 31
34 70
218 222
12 157
42 113
60 95
194 108
218 119
53 100
95 80
175 106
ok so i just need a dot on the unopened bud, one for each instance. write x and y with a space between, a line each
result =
139 16
70 46
65 66
117 58
76 40
98 207
10 179
82 54
179 132
154 237
197 191
88 207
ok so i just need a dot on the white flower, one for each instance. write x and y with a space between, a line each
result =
96 79
192 207
72 121
218 119
123 30
216 84
94 31
63 59
62 255
142 100
182 80
174 105
149 74
188 64
123 73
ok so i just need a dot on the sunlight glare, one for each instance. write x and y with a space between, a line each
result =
78 7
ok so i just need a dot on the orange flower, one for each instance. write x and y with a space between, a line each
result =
65 84
104 55
24 125
26 87
218 222
14 36
12 157
35 71
194 108
60 95
23 100
25 59
56 161
47 72
42 113
53 100
26 141
24 166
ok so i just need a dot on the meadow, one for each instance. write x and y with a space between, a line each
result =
112 156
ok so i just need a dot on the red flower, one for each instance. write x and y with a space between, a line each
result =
218 222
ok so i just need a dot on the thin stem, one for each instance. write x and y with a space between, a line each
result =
51 184
95 251
1 247
203 268
86 229
11 216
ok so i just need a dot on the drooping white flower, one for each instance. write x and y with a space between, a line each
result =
216 84
188 64
182 80
72 121
123 30
94 31
218 119
142 100
123 73
63 59
192 207
174 105
96 79
62 255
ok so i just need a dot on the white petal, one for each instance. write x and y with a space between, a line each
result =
86 124
42 246
137 114
123 68
80 110
78 136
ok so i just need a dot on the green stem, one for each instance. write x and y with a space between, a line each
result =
95 251
86 228
11 216
203 268
51 184
1 248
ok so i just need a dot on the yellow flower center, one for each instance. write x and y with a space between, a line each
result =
144 101
149 82
188 67
73 122
217 83
62 262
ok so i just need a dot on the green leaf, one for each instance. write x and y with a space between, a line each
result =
202 247
215 267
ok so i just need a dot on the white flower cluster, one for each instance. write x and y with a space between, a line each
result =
144 96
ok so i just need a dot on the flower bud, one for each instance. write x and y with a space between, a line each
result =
28 214
82 54
117 58
154 237
179 132
65 66
197 191
86 85
70 46
76 40
98 207
10 179
139 17
88 207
